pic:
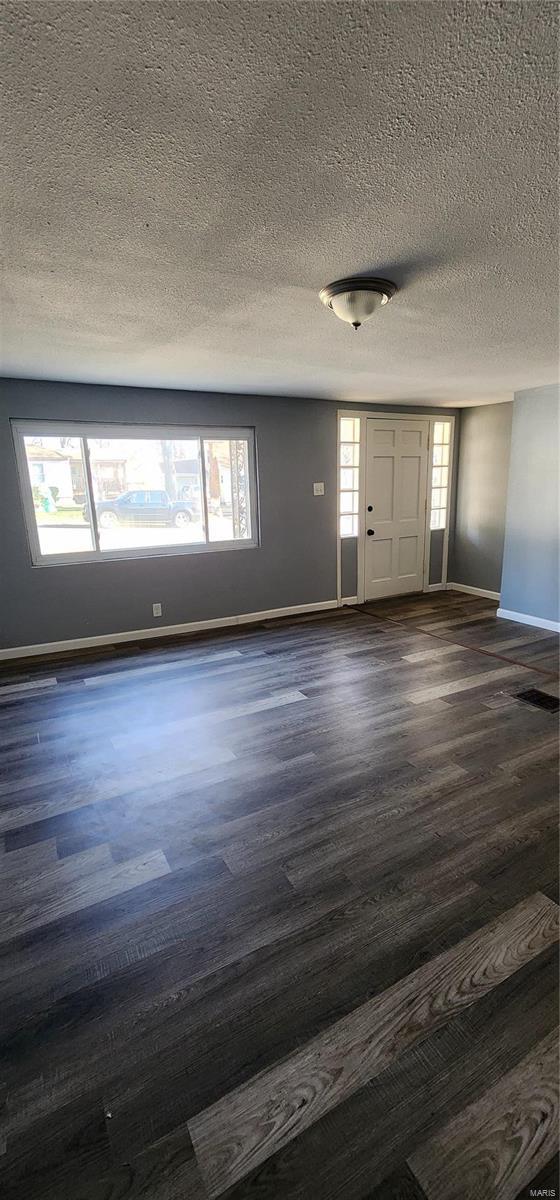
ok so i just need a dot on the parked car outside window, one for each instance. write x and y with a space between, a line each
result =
149 507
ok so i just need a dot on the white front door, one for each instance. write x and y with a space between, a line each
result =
395 518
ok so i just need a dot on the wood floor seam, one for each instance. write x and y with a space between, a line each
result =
465 645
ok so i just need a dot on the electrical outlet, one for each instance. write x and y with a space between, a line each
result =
156 609
318 489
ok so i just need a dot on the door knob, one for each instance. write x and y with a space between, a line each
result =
370 532
370 507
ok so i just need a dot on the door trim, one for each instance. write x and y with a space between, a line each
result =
363 414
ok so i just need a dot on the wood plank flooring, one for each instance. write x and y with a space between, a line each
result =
279 913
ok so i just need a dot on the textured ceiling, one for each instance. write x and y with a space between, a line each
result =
184 177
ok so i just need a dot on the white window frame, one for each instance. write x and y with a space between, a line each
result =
441 585
88 429
364 414
441 508
347 491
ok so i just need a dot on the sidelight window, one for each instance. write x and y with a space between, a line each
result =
348 476
440 474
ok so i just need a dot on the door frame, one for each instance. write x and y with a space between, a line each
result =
418 414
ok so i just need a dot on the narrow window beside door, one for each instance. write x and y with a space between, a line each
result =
349 476
440 475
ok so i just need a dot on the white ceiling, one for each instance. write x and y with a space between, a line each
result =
184 177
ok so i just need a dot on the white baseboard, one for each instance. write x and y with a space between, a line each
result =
528 619
349 600
435 587
136 635
472 591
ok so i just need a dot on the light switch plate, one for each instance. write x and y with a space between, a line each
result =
318 489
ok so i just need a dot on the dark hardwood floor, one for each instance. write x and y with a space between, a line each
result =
279 913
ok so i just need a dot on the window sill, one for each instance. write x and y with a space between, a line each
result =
70 560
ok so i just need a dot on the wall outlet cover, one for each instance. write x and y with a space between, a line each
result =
156 610
318 489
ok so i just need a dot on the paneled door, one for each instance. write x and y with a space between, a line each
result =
395 517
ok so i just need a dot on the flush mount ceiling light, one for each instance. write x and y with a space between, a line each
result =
356 298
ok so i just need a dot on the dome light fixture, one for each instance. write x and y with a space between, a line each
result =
356 298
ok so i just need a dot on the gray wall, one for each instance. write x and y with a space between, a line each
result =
437 539
530 581
348 567
477 543
295 563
